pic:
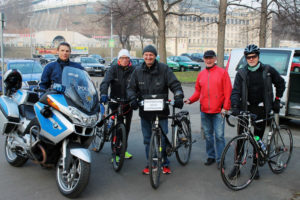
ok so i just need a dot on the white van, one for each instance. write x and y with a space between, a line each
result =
281 60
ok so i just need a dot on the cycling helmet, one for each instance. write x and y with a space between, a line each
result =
252 48
12 80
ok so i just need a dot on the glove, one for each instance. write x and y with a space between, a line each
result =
134 105
59 87
103 98
178 102
276 106
235 111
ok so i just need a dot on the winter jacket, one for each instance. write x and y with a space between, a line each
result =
213 88
52 72
118 79
156 80
239 96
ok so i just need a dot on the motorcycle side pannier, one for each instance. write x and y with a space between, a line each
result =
9 115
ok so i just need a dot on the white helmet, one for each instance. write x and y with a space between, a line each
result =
12 80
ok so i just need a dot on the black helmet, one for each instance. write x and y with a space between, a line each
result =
12 80
252 48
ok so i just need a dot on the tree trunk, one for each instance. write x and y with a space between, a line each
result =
221 32
263 23
162 32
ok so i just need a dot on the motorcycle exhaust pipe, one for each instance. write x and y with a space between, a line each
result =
44 155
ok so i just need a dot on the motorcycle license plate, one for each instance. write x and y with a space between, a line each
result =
153 104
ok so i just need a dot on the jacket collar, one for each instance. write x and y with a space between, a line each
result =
153 69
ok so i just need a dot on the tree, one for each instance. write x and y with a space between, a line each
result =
221 32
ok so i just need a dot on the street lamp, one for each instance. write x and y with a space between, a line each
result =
2 19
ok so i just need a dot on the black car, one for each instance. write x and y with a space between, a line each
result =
135 61
198 57
46 58
98 57
91 65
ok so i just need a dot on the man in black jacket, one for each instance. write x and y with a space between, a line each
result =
253 91
117 77
150 79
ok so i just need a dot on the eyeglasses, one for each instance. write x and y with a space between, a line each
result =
251 57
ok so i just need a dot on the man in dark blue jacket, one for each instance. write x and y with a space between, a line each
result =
53 71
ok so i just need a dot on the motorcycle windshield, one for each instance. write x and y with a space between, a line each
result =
79 88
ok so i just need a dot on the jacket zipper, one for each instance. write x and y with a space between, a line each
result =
208 91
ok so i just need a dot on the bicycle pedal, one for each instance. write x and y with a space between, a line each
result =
184 139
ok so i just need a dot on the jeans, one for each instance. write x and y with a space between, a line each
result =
213 125
147 132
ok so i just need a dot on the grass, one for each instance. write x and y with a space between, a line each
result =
187 77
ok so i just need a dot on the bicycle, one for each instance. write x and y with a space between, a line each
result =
181 142
240 151
116 134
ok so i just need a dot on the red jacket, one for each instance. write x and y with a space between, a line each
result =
213 87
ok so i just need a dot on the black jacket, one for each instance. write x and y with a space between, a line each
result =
239 95
156 80
117 78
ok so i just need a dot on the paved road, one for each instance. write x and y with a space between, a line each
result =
194 181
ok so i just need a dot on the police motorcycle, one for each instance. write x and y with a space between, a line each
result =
54 130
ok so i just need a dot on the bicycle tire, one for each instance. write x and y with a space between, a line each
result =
280 149
184 142
155 158
118 146
236 166
99 139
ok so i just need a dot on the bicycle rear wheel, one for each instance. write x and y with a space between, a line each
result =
237 168
155 158
280 149
118 146
183 142
99 139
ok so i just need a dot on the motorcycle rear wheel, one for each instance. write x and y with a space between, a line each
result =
11 156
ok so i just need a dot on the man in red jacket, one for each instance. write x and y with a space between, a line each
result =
213 88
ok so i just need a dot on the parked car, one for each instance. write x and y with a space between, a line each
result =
185 63
98 57
198 57
296 64
173 65
282 60
186 54
31 71
91 65
46 58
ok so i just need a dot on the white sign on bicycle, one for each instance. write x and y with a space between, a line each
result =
153 104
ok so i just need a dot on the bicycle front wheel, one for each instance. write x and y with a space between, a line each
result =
237 166
183 142
280 149
118 146
155 158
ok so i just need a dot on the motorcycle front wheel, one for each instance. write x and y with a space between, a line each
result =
74 179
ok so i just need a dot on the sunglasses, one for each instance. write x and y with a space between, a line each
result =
251 57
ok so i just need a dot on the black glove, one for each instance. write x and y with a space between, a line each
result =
178 102
134 104
276 105
235 111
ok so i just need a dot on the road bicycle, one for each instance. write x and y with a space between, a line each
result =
181 142
237 162
114 132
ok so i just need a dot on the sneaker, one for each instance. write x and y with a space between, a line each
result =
235 173
166 170
146 170
128 155
117 159
256 176
209 161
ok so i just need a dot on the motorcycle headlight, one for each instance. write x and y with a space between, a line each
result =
81 118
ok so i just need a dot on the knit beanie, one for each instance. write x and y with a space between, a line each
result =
150 48
123 52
